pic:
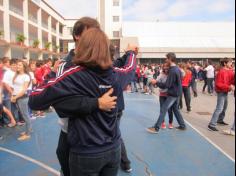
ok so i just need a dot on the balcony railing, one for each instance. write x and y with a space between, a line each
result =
33 18
16 10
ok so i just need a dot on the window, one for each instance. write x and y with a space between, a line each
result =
70 29
116 18
116 34
116 3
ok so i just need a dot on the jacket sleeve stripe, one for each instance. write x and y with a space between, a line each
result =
54 81
129 67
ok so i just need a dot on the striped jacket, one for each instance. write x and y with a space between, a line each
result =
99 131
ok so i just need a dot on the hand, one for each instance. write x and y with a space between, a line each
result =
154 81
56 65
13 99
232 88
107 102
132 48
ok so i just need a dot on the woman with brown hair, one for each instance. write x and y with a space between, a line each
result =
94 139
19 99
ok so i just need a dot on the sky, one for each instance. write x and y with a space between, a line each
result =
154 10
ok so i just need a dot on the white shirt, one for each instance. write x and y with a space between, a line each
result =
19 83
31 82
210 71
8 77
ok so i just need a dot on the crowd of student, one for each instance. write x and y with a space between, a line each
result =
218 77
18 77
86 91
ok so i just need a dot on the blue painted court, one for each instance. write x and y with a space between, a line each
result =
170 153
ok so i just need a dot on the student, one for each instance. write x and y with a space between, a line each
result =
186 83
174 86
210 77
163 95
20 84
105 101
94 139
225 80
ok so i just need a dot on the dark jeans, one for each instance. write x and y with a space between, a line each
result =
205 85
63 153
125 162
194 87
174 103
104 164
170 111
210 85
187 97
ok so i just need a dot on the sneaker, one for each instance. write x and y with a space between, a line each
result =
126 169
163 126
181 128
211 128
229 132
152 130
1 138
171 126
24 138
222 123
11 125
20 123
33 117
41 116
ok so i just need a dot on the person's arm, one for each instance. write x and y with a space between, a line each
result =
120 62
23 91
8 88
169 82
127 73
220 82
81 106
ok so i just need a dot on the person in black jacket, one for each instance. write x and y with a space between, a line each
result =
174 86
94 139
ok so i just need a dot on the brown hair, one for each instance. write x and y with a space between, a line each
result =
225 61
26 70
82 24
93 50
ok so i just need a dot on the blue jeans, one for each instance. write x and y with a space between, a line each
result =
174 103
134 87
221 107
104 164
210 85
22 105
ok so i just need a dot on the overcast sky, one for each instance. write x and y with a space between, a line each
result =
153 10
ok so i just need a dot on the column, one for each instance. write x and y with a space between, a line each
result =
6 21
50 31
58 36
40 33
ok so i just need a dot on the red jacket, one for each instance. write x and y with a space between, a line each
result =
224 79
138 72
187 79
39 75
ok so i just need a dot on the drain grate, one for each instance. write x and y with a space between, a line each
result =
204 113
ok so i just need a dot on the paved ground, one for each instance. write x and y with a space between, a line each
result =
169 153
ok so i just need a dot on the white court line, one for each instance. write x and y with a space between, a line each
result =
208 139
53 171
136 99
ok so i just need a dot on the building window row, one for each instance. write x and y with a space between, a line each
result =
116 3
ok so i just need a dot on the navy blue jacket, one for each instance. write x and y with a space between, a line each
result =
173 82
99 131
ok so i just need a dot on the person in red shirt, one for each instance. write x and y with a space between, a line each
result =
46 68
225 83
186 84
